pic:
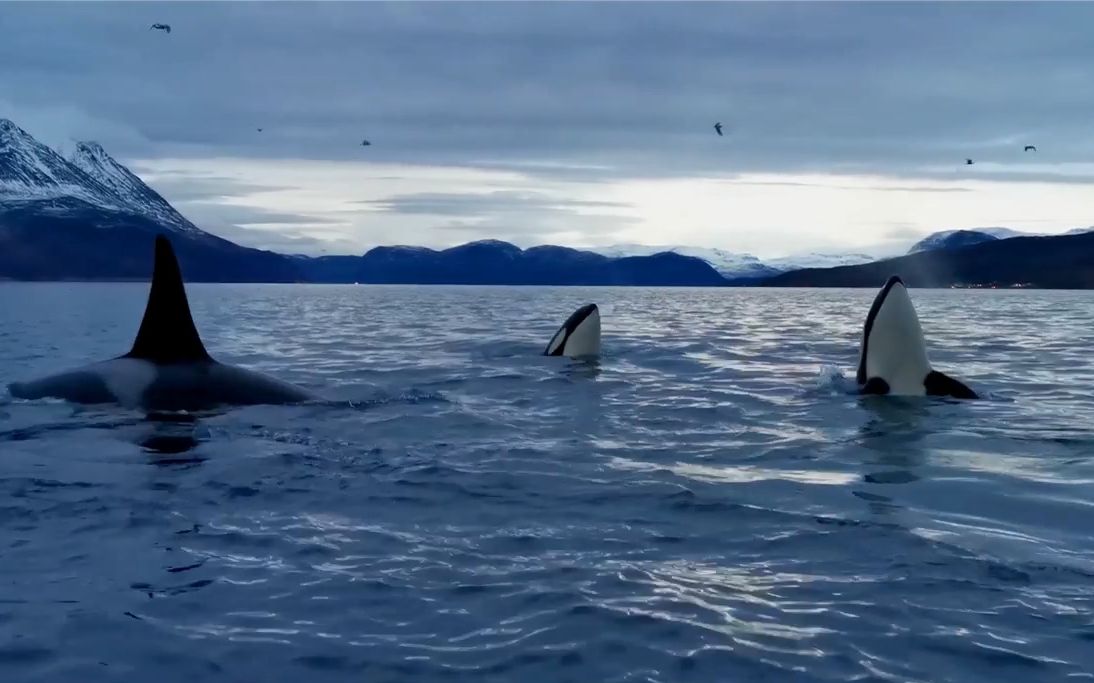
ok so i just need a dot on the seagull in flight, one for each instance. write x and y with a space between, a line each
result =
365 143
718 128
1030 148
166 28
259 130
968 162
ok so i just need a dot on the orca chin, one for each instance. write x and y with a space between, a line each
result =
893 359
168 367
579 336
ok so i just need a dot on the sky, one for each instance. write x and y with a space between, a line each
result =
846 126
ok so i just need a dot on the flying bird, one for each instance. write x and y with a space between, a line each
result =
718 128
259 130
968 162
166 28
1030 148
365 143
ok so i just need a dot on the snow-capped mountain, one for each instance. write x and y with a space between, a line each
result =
738 266
31 171
951 239
819 260
1003 233
91 218
127 189
728 264
1007 233
955 239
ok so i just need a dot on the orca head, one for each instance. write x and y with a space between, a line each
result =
579 336
893 348
167 334
893 359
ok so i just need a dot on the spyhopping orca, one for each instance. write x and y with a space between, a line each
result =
168 367
894 354
579 336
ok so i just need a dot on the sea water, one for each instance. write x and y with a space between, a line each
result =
708 502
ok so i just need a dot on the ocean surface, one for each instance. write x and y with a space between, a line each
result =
708 502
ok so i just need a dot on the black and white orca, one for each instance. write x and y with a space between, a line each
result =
168 367
579 336
893 359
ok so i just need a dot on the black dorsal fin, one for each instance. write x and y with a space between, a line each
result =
167 333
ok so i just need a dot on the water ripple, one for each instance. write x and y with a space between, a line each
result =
709 501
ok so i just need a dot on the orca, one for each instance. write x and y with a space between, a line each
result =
168 367
893 359
579 336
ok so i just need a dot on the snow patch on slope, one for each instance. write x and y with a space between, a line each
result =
733 265
819 260
727 263
32 172
129 190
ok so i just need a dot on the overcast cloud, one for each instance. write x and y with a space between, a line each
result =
577 121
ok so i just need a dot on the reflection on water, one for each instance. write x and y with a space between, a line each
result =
708 501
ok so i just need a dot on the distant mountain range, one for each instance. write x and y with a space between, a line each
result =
491 262
1060 262
90 218
734 266
728 264
981 257
948 258
955 239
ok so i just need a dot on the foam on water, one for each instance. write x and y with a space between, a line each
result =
709 501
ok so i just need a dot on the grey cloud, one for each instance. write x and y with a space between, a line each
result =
901 232
247 215
251 226
285 241
581 92
180 187
200 197
836 186
61 125
524 218
483 204
534 230
635 88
